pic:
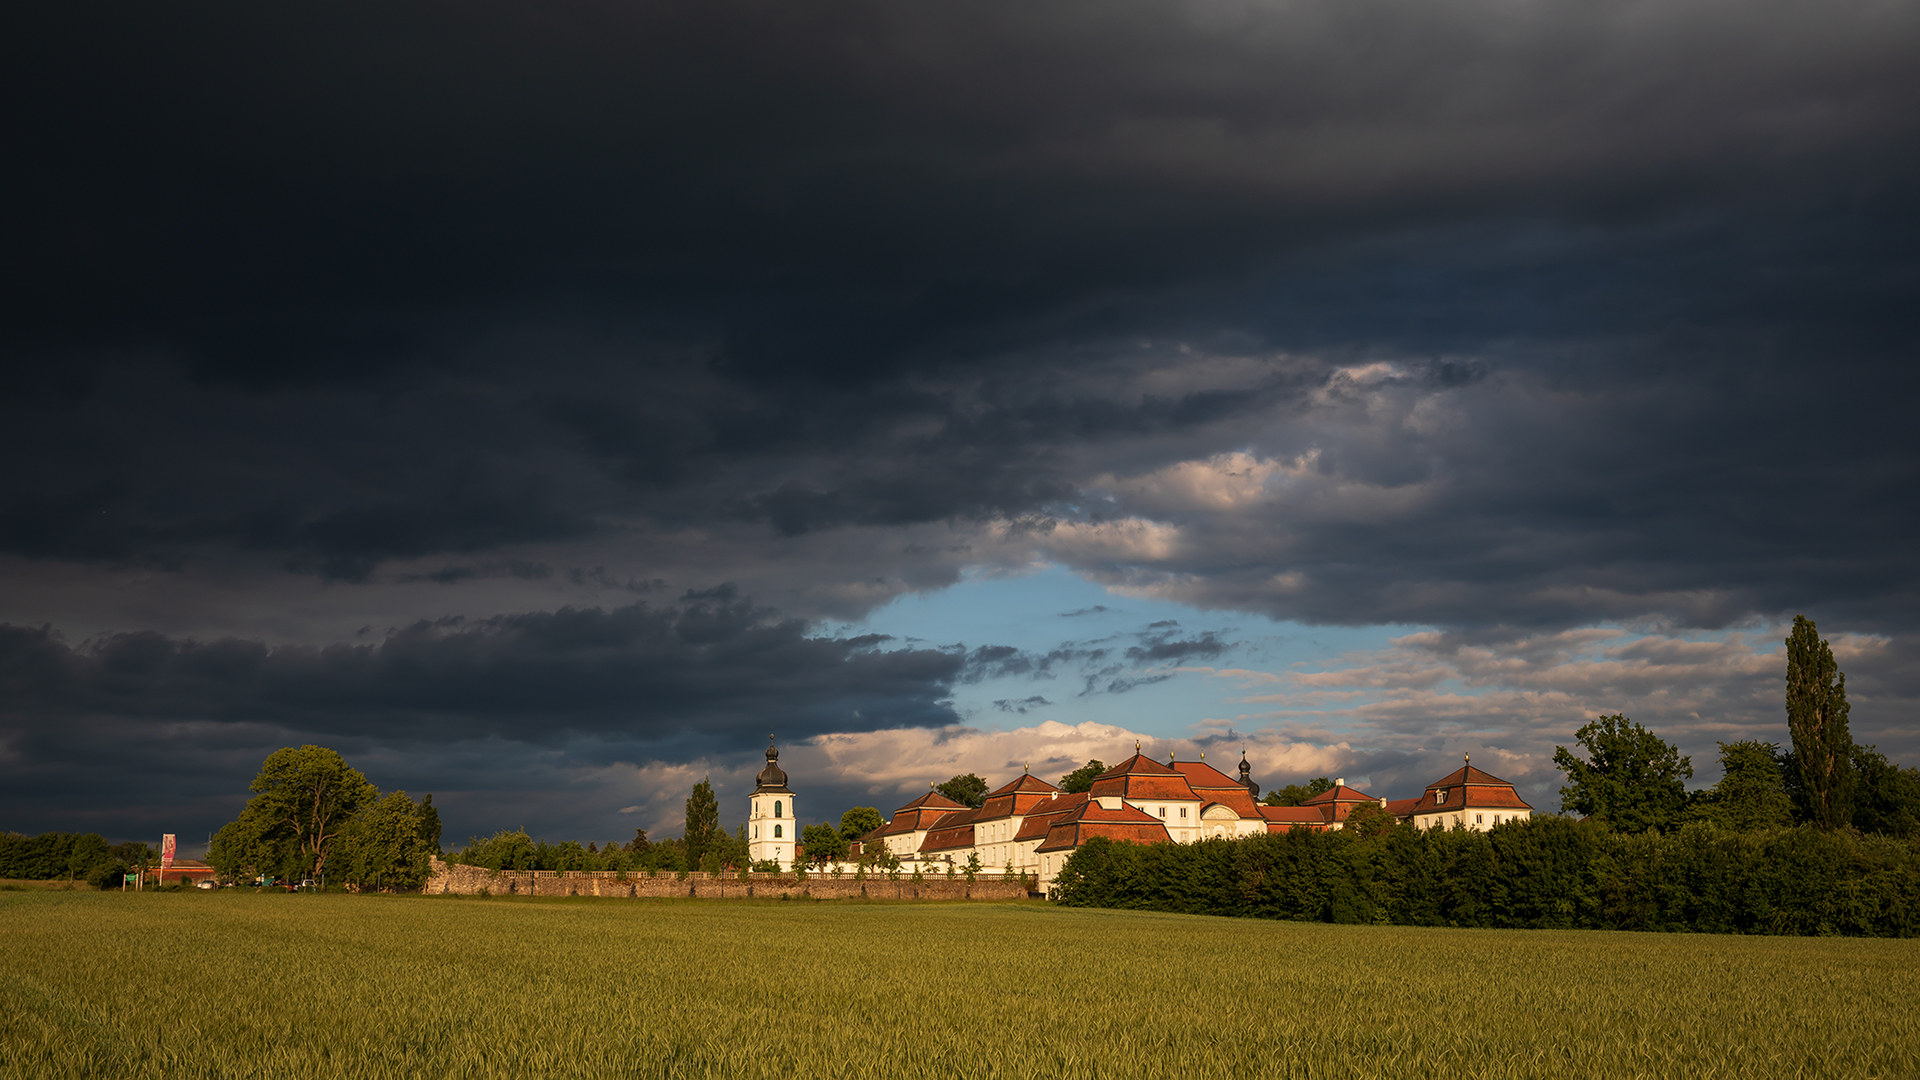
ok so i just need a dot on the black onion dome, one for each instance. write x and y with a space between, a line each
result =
772 777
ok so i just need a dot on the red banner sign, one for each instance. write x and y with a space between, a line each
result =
166 851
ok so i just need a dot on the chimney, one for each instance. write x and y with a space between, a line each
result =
1342 782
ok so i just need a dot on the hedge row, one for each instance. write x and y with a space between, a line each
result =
1550 872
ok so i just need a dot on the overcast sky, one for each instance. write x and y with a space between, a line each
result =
542 404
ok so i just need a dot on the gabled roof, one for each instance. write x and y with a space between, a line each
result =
1469 797
1042 817
1141 777
954 831
1017 798
934 800
1090 819
1202 775
915 819
1467 774
1138 763
1215 786
1340 793
1024 782
1468 787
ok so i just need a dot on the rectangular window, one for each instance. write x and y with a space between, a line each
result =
1479 819
1163 812
1183 813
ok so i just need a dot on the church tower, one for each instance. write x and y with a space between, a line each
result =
772 827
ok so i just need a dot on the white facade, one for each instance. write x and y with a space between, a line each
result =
1473 818
771 828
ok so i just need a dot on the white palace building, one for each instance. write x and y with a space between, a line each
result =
1028 826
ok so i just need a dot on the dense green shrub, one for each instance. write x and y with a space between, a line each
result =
1550 872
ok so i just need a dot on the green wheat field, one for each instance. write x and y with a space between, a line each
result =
230 984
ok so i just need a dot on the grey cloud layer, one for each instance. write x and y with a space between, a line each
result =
544 690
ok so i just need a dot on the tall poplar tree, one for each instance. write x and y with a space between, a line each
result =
703 822
1817 718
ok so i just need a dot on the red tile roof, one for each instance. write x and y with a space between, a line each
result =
1141 777
1282 818
1014 804
1470 797
955 830
1025 782
1402 807
1340 793
1468 775
1090 819
911 818
1043 816
1213 785
1469 788
1138 763
934 800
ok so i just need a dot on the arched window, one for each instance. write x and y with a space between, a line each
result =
776 832
776 808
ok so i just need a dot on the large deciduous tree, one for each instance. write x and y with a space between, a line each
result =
306 795
389 844
1370 819
859 821
1752 792
1886 795
823 842
703 822
1631 778
966 789
1817 718
1296 794
1081 779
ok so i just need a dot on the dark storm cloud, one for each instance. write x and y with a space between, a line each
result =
1352 311
711 671
341 284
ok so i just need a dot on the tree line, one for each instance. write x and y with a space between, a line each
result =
1822 837
1635 781
1549 872
58 856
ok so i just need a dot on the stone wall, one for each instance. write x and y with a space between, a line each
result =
475 880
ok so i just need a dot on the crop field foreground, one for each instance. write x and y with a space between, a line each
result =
231 984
